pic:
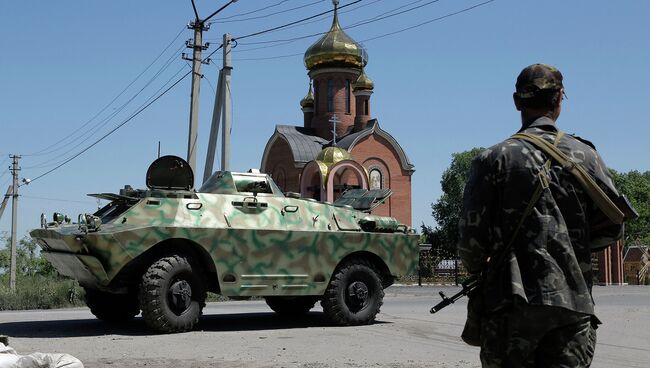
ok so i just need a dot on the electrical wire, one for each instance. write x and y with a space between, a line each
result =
43 151
376 19
255 11
376 37
207 58
54 199
360 23
428 21
141 105
322 17
396 9
114 129
291 23
270 14
102 123
5 182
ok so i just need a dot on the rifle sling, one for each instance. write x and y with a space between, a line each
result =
600 198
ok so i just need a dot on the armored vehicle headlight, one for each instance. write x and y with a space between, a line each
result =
58 217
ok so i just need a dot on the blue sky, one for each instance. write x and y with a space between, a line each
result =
441 88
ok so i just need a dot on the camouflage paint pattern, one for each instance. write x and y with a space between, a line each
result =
537 336
260 243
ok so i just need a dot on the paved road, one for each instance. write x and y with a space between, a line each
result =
248 334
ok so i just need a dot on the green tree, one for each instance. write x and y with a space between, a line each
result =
29 261
636 186
446 210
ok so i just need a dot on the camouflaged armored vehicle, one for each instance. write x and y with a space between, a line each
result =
160 250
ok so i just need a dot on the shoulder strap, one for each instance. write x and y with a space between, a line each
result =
596 194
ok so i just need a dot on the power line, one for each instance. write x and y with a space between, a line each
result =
102 123
398 8
376 37
141 105
269 57
42 151
54 199
361 23
255 11
318 20
212 53
5 182
291 23
428 21
376 18
114 129
270 14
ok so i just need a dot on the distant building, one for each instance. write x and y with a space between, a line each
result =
316 162
634 262
608 265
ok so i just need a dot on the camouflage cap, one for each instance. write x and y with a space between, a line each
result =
537 77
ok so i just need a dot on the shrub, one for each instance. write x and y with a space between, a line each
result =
40 292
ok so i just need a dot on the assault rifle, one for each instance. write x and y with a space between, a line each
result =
468 286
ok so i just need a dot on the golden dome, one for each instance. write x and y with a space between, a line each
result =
335 48
308 100
363 83
332 155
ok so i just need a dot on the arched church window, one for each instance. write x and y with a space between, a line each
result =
347 96
376 179
330 95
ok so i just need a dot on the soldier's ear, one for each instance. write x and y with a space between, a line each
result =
515 98
560 97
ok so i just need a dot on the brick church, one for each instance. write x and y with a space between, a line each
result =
340 145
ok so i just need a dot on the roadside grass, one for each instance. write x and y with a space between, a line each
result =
40 292
48 292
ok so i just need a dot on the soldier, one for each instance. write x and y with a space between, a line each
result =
529 226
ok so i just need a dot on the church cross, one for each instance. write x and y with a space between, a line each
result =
334 120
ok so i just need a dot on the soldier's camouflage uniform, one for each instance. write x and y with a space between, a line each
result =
538 304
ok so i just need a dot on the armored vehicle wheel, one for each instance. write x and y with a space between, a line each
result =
291 305
172 294
112 308
354 294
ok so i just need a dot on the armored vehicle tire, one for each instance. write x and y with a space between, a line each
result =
112 308
172 294
291 305
354 294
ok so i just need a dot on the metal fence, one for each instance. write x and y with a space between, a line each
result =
439 266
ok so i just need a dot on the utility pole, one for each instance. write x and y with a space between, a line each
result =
3 205
227 98
198 25
197 45
221 111
14 214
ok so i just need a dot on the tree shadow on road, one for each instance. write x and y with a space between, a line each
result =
137 327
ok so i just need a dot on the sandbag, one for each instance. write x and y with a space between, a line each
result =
10 359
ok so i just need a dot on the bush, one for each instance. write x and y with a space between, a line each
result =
40 292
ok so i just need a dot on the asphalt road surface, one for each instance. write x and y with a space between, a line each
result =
248 334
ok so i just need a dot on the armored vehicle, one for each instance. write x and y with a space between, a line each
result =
160 250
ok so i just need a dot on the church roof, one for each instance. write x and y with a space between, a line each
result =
303 142
305 145
349 141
